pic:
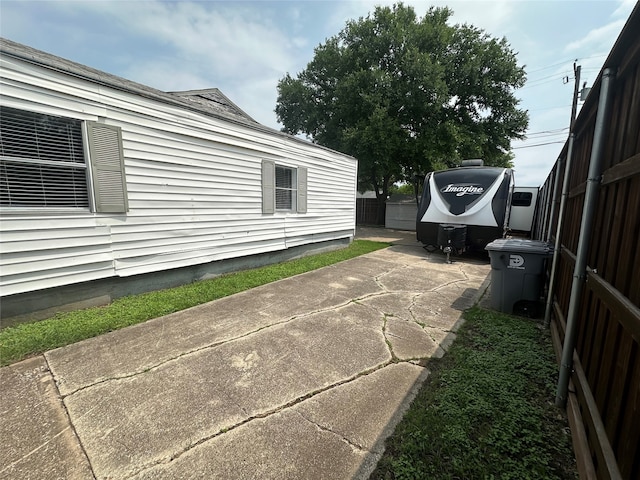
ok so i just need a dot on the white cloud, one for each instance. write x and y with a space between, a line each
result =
229 38
492 16
601 38
624 9
196 45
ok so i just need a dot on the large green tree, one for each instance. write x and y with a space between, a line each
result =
407 95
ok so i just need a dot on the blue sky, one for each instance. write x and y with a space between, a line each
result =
244 48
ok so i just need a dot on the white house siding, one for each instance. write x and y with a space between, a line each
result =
40 252
193 184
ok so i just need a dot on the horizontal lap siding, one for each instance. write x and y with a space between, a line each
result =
193 183
40 253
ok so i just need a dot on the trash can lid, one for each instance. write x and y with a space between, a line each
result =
521 245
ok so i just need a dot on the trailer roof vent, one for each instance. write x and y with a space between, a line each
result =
475 162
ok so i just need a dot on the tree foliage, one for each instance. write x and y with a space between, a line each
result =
407 95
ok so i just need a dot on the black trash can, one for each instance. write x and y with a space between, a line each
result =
517 274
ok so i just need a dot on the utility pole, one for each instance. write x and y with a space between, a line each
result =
574 105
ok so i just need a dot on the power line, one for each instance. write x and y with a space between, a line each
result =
549 66
535 83
553 75
547 108
536 145
556 131
550 78
565 62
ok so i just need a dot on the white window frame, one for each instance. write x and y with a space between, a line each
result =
103 163
270 189
286 192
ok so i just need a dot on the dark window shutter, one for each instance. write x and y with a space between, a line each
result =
302 190
268 186
107 165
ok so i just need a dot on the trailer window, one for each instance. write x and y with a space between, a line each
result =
521 199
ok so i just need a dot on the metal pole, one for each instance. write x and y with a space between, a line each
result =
563 198
554 196
588 213
558 244
546 200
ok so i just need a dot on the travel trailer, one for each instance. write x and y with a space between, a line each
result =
464 208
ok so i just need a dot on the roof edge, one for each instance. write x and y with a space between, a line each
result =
68 67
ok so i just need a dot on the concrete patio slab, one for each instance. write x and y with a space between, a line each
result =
301 378
38 440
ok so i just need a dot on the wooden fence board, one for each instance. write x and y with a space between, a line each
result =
605 460
614 413
629 448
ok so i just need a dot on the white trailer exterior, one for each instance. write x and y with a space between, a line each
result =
523 206
200 181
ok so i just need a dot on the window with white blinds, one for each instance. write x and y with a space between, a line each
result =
285 188
41 161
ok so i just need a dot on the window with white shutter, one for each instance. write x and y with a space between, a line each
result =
268 186
107 164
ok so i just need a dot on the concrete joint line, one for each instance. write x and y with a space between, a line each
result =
394 358
452 282
412 306
378 281
69 427
68 417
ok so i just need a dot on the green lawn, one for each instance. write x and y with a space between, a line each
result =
486 411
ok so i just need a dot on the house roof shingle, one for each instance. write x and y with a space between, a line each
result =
214 100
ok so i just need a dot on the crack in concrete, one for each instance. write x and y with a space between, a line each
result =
263 415
394 358
346 440
412 306
202 348
38 448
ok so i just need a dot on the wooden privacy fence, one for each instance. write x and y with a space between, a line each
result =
603 401
368 211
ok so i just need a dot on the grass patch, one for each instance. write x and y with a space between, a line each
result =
486 411
21 341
